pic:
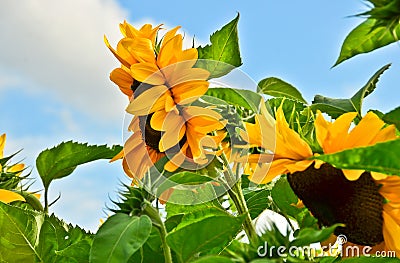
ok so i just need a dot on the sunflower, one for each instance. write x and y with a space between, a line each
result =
140 151
7 196
191 127
367 203
126 51
171 74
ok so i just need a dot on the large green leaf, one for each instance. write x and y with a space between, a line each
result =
223 54
257 201
119 238
62 160
238 97
365 38
336 107
19 230
284 197
59 242
203 230
381 157
393 117
278 88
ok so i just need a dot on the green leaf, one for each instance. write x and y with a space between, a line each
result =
381 157
213 259
62 160
59 242
284 197
119 238
365 38
237 97
336 107
278 88
190 238
307 236
393 117
183 178
223 54
19 230
257 201
151 252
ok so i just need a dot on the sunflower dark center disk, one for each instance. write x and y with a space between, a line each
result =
150 136
332 199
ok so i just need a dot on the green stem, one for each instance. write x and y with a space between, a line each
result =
46 200
157 222
236 194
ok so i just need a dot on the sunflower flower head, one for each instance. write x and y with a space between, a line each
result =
367 203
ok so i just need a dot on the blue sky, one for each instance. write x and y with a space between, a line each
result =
54 71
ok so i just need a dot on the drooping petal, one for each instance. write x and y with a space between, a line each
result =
115 53
386 134
123 79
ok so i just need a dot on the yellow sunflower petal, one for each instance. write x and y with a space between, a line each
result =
289 143
190 54
258 173
321 128
123 79
190 91
147 73
169 51
115 53
337 134
141 48
378 176
391 233
148 102
2 144
16 168
298 166
158 119
118 156
188 74
7 196
170 34
174 126
365 131
386 134
352 175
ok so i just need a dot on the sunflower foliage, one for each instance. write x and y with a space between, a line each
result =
254 176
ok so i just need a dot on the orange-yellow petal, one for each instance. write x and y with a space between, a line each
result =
7 196
148 102
365 131
147 73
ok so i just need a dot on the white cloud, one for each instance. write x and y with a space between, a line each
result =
56 48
